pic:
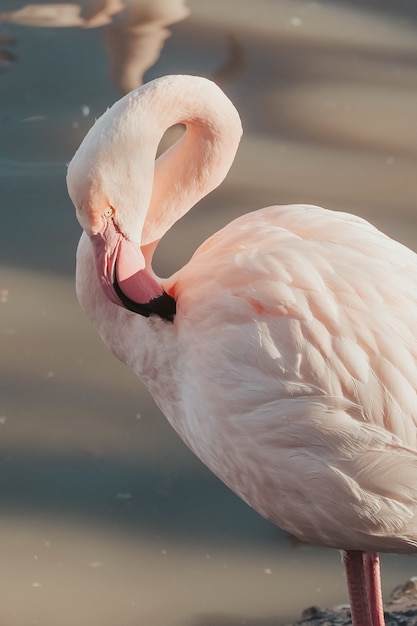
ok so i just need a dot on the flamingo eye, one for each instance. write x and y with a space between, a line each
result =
108 212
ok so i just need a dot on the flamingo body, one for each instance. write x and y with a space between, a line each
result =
289 365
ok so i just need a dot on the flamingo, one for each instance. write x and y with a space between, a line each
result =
284 353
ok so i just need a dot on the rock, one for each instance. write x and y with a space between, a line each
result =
400 610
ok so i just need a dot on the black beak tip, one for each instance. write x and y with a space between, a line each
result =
164 306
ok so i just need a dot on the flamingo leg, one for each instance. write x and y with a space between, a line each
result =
353 560
373 586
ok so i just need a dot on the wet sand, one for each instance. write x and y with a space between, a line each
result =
105 517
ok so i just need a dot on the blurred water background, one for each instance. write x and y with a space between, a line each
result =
106 519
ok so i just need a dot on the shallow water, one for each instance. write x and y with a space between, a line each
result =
106 518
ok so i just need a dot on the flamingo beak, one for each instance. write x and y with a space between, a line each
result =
123 274
106 245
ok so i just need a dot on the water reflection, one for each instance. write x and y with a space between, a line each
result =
6 56
134 33
88 14
134 42
106 518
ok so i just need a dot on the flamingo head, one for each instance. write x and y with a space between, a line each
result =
111 192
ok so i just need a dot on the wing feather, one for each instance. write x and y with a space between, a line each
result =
339 299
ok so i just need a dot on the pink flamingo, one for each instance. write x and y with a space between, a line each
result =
284 353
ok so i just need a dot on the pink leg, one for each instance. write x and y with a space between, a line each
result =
373 586
357 588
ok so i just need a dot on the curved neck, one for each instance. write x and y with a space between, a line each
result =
199 161
115 164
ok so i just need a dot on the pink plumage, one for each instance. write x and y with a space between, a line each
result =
284 353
